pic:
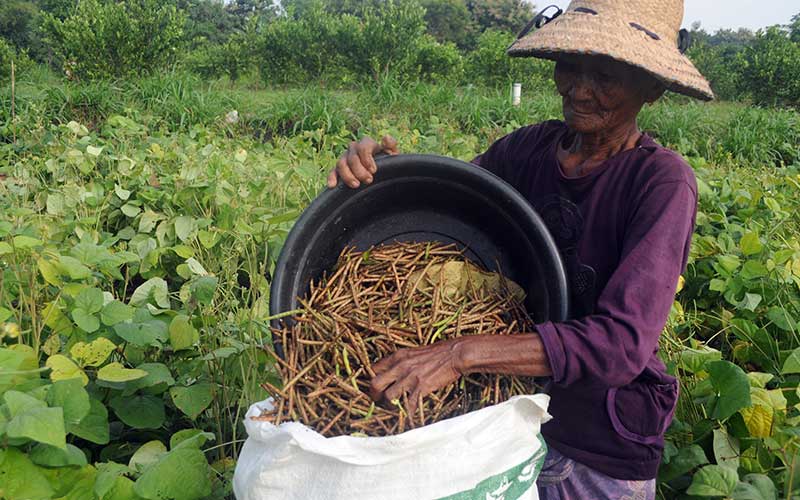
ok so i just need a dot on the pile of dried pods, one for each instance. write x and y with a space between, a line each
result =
376 302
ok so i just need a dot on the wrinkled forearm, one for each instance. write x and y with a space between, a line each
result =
522 355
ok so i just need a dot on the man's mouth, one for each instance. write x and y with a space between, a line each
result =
581 111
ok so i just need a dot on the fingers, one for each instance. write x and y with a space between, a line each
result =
344 172
407 385
358 164
389 361
389 145
368 161
333 179
386 373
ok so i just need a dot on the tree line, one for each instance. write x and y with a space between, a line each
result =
762 67
345 42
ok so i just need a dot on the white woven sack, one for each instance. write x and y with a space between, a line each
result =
495 453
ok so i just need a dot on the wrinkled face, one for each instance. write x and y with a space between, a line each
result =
599 93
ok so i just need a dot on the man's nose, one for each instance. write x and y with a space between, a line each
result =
582 86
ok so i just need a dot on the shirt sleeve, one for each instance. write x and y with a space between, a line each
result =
507 155
612 346
495 159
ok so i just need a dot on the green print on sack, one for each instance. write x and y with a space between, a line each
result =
508 485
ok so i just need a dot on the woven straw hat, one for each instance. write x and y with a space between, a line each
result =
643 33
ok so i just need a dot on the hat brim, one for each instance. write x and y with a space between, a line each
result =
586 34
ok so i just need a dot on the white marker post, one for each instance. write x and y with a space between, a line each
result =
516 93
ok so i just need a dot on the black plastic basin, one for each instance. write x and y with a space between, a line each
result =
426 198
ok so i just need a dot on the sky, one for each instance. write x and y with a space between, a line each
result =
733 14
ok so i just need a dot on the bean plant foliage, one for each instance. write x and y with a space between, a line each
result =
134 300
139 229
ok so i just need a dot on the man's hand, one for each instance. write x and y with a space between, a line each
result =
416 372
423 370
357 164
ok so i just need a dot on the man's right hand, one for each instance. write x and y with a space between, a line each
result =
357 164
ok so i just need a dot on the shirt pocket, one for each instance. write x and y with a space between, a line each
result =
642 410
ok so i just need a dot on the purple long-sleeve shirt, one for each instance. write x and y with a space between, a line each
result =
624 232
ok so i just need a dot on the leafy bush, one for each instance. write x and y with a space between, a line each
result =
9 54
436 62
115 39
771 71
342 47
488 64
232 58
449 21
723 66
19 20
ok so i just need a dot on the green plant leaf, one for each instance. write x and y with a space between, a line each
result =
196 267
94 426
182 473
90 300
792 363
203 289
714 481
108 486
72 398
116 312
122 193
130 210
146 455
755 487
26 242
49 271
157 380
5 314
155 290
185 227
751 244
87 322
208 239
781 318
183 251
182 335
695 359
139 334
140 411
726 449
92 354
684 462
50 456
758 419
18 403
731 386
20 478
62 368
45 425
148 221
73 268
729 262
116 372
18 362
753 269
194 399
758 379
750 301
190 438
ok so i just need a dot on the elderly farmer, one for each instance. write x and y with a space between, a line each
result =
621 209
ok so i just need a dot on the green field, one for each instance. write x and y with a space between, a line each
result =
139 229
